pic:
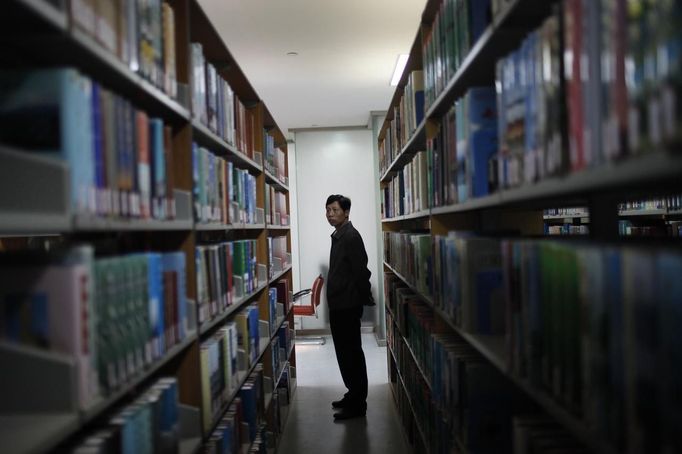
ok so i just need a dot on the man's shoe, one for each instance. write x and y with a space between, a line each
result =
349 413
340 403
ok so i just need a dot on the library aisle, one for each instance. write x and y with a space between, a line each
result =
311 428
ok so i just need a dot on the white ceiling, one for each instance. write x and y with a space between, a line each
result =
347 50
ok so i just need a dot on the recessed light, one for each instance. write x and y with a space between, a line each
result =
399 68
292 54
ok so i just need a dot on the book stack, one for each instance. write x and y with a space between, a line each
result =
252 396
150 424
410 254
283 294
286 339
248 335
276 211
71 303
462 150
140 33
216 106
219 371
120 160
456 28
223 192
274 159
592 325
277 253
590 86
407 116
226 272
532 105
407 192
468 278
227 436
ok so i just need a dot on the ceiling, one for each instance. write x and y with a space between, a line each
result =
347 50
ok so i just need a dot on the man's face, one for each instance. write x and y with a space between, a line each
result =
335 215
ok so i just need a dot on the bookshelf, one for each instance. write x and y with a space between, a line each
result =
233 132
485 203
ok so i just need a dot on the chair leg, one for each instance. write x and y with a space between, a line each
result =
311 340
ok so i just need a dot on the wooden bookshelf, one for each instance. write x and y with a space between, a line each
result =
43 33
512 212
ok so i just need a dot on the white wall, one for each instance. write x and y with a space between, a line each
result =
333 162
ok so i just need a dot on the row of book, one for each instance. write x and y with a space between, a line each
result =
232 349
141 33
671 229
217 106
576 318
462 149
226 272
596 327
471 404
236 428
566 229
120 160
456 28
140 312
571 212
149 424
408 191
410 255
598 81
113 316
463 400
276 207
671 204
274 159
407 116
223 192
280 355
278 257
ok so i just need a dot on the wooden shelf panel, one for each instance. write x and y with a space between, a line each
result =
36 433
204 136
274 181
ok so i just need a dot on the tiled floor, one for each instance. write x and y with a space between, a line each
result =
311 429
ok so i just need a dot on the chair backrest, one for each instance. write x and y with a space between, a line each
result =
317 291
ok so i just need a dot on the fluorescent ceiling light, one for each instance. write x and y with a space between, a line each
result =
399 67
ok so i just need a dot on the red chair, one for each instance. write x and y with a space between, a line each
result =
310 309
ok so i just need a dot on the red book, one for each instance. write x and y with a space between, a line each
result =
572 60
143 170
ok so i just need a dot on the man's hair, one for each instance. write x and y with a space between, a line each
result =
344 202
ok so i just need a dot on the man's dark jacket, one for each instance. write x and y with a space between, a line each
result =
348 278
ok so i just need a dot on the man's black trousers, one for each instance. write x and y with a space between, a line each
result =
345 327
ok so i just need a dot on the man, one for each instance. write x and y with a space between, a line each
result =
348 291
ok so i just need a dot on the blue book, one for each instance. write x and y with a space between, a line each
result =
615 349
156 303
158 165
249 407
49 111
480 18
196 181
272 303
253 318
98 143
